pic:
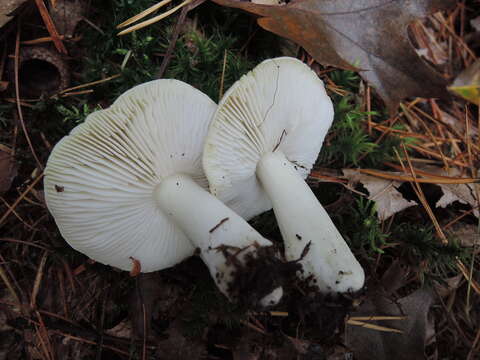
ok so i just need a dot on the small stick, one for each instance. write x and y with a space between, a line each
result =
17 97
40 40
14 205
52 30
38 280
222 79
96 82
218 225
144 13
373 326
154 19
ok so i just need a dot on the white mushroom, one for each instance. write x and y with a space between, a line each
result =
273 121
128 184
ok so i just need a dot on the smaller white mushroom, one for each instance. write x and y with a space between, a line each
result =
273 122
128 184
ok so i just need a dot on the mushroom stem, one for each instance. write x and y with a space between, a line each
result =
308 232
225 240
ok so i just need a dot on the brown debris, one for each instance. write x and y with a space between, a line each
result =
8 168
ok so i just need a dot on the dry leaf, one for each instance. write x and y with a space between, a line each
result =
300 345
466 234
430 49
7 7
8 168
370 35
447 286
475 23
458 124
464 193
467 83
66 14
3 85
387 198
136 266
417 329
122 330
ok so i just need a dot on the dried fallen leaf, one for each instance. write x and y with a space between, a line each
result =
447 286
430 49
414 322
8 168
367 35
66 14
467 84
475 23
463 193
122 330
466 234
384 192
136 265
7 7
300 345
416 329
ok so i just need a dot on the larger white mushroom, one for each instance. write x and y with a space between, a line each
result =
128 184
273 121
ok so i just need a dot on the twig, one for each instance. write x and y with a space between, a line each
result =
144 13
222 78
154 19
14 205
431 180
96 82
52 30
38 280
17 96
373 326
175 35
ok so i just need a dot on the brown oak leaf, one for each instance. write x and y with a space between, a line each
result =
370 36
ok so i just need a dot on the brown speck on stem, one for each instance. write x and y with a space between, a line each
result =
218 225
305 251
59 188
136 267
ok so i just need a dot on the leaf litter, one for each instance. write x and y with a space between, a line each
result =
344 34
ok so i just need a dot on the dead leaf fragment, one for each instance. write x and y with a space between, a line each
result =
467 83
409 316
384 192
463 193
370 35
466 234
447 286
66 14
122 330
8 168
136 266
475 23
7 7
430 49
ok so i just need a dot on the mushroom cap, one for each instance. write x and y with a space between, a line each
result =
100 180
280 104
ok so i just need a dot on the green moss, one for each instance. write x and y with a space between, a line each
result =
363 229
422 248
